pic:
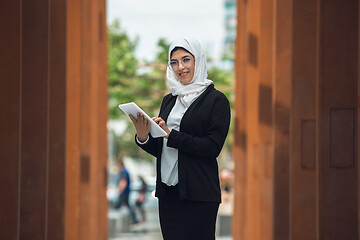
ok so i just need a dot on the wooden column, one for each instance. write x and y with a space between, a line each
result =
34 142
240 135
10 95
54 100
264 146
57 121
73 89
281 115
337 120
252 118
85 199
303 127
296 123
102 114
93 100
254 154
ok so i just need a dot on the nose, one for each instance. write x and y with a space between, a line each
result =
182 65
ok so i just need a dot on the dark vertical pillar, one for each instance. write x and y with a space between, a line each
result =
314 120
281 114
44 58
57 121
10 133
303 127
337 124
34 119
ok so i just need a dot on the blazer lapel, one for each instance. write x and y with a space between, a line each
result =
164 114
208 90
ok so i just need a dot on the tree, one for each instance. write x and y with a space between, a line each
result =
127 83
122 68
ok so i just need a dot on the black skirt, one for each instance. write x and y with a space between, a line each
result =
186 220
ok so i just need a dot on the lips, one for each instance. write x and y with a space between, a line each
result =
183 74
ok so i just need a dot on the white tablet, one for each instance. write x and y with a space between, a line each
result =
133 109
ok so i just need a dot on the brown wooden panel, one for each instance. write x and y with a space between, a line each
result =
265 86
308 144
10 90
34 119
57 117
342 137
40 125
337 192
281 115
303 125
73 79
239 147
86 131
253 50
103 118
95 169
265 107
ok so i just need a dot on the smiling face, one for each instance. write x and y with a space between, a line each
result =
186 66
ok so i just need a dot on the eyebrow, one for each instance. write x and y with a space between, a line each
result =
181 58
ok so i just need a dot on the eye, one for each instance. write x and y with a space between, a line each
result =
186 60
173 63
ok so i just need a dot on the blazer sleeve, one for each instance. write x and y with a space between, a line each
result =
150 147
210 145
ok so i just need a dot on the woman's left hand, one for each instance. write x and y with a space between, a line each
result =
159 121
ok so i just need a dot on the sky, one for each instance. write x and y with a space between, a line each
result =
151 20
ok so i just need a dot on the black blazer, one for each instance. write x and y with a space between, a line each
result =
203 130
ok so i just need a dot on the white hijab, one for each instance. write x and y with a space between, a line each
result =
188 93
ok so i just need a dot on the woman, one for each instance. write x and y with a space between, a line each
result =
196 118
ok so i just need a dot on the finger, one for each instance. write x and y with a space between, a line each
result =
157 120
132 119
138 116
162 123
145 119
142 118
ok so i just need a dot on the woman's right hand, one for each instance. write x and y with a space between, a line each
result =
142 125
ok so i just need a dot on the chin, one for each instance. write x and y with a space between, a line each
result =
185 81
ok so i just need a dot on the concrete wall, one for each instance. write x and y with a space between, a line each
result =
53 99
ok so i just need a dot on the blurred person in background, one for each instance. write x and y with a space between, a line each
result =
141 199
123 185
196 118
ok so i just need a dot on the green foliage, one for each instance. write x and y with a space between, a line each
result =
126 84
163 48
223 81
122 68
